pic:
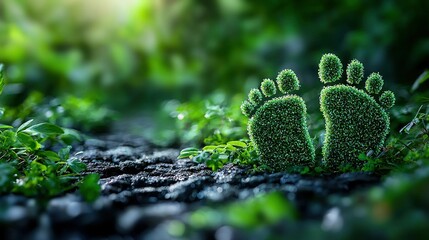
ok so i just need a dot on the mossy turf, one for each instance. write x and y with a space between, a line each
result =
278 125
355 122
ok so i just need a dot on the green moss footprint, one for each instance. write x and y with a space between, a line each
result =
277 124
355 122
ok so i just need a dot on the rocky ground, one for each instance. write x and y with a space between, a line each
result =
144 187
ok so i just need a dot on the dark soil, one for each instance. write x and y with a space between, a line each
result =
144 187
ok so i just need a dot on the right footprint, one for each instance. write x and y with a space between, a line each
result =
355 122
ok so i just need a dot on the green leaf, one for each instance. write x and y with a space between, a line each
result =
24 125
201 157
190 149
70 136
89 187
53 156
76 165
188 153
38 167
3 126
9 138
46 129
64 153
209 148
215 156
237 144
420 80
28 141
230 148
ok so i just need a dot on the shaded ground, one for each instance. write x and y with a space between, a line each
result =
144 187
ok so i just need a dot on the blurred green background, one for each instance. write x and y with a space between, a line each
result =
133 55
187 66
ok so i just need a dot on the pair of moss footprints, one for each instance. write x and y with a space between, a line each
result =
355 122
277 123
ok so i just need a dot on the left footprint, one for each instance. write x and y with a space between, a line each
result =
278 125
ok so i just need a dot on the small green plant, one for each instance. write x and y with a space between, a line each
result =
214 121
29 168
277 125
355 122
67 111
216 156
415 144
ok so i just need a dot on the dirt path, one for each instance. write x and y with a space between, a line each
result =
143 187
